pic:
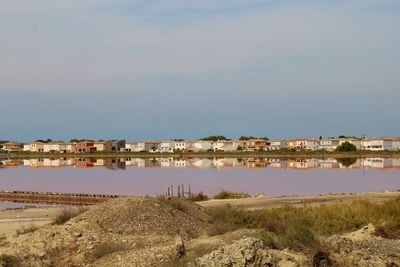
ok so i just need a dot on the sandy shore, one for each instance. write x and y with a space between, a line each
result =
14 219
272 202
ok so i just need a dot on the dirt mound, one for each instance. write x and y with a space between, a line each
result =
150 216
362 248
250 252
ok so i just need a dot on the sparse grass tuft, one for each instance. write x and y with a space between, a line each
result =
106 248
7 260
230 195
26 229
68 213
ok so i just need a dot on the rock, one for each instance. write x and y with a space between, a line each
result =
250 252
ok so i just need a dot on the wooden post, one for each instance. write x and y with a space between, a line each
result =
179 191
169 194
190 192
172 190
183 192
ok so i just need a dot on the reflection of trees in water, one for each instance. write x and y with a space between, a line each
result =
347 162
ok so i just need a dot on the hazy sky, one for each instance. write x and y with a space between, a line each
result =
145 69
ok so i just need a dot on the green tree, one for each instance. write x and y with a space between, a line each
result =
239 148
245 138
215 138
346 147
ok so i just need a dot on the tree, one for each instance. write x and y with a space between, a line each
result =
239 148
347 162
346 147
214 138
245 138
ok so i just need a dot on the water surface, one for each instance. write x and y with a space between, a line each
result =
135 176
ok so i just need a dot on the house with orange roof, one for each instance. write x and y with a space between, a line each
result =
303 144
12 147
256 144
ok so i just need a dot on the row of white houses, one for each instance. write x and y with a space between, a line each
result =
169 146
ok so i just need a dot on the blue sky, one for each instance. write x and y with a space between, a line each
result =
162 69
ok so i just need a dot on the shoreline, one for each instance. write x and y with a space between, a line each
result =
285 154
12 219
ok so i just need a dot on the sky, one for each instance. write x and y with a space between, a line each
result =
154 69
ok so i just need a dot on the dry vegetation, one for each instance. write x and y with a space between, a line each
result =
68 213
298 228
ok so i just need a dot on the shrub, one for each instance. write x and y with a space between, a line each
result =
199 197
230 195
7 260
346 147
68 213
269 240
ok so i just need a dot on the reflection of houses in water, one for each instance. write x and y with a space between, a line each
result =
256 163
225 162
169 162
10 163
166 162
34 163
303 164
135 162
329 164
181 163
381 163
201 163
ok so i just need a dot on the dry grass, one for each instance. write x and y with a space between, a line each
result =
26 229
68 213
297 228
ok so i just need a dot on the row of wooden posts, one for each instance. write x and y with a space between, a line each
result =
180 192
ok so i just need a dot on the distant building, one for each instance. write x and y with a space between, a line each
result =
328 144
381 144
84 146
303 144
277 144
12 147
167 146
34 147
256 144
201 145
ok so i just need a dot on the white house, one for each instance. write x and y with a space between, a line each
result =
277 144
35 147
225 145
328 144
381 144
132 147
180 145
201 145
55 147
167 146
